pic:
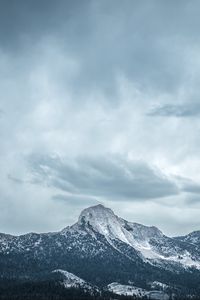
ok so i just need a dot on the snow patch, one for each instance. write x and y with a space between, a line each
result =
130 290
73 281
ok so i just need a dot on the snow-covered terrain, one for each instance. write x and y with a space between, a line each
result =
150 242
191 238
102 248
159 285
71 280
127 290
130 290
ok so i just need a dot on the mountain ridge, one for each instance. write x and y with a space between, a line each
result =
102 248
102 220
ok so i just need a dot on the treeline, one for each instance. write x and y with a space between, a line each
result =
50 290
53 290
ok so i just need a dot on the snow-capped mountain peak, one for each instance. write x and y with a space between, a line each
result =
96 214
100 233
150 243
104 221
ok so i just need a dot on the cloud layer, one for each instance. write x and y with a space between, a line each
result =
179 111
109 178
99 101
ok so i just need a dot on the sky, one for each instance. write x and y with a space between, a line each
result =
99 103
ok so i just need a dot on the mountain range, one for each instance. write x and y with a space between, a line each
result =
104 251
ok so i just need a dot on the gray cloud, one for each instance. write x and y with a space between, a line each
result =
192 187
188 186
113 34
193 199
179 111
112 178
77 79
15 179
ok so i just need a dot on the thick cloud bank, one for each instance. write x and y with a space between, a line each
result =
99 101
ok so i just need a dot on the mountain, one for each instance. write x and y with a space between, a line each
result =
149 242
103 248
191 238
72 281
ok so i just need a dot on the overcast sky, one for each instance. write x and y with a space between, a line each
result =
99 102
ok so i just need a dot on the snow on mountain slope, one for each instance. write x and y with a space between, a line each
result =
192 238
159 285
71 280
126 290
152 245
130 290
104 221
99 231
